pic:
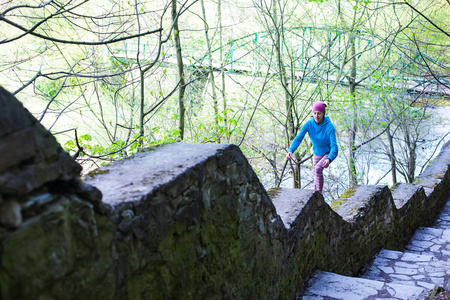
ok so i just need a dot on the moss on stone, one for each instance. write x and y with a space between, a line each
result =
418 180
440 175
394 187
343 198
273 192
98 171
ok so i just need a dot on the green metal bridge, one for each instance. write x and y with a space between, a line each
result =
308 53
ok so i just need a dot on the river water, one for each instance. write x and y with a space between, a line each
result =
434 133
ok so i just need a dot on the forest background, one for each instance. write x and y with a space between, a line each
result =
112 77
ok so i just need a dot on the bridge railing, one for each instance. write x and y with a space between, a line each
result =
312 50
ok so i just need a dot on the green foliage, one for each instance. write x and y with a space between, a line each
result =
361 2
49 87
231 127
120 148
211 130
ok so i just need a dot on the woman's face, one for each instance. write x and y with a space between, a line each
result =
318 116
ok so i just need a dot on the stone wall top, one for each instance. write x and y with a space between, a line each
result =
435 171
131 179
289 203
355 201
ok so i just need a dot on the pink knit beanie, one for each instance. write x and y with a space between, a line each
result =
319 106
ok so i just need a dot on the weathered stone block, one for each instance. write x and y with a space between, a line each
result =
12 111
10 214
49 248
16 147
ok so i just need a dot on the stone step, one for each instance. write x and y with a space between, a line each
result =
412 274
443 221
324 285
431 241
409 268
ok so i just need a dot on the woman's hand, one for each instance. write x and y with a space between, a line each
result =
326 163
289 156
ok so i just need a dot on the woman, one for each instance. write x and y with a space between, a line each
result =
323 136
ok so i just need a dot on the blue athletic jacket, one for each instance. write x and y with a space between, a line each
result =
323 137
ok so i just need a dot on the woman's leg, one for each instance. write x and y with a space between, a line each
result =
318 171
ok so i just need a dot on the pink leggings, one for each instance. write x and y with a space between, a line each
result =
318 171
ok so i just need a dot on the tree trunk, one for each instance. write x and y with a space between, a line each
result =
181 90
289 102
354 116
141 115
213 84
222 68
297 173
392 156
412 157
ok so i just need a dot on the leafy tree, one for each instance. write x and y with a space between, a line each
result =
90 63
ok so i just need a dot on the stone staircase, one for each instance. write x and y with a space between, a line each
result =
411 274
